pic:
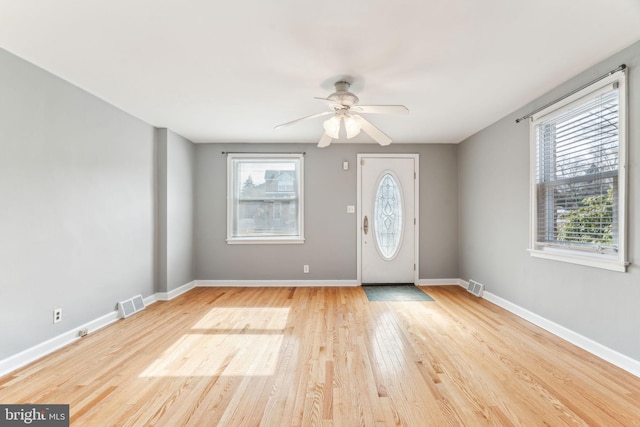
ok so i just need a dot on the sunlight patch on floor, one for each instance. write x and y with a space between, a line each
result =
218 355
227 341
255 318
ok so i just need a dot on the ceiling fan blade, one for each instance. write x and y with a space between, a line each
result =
380 109
325 113
325 140
374 132
330 102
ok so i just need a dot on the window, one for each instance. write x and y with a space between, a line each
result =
264 198
387 217
578 177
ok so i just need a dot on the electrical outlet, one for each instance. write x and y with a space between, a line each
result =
305 268
57 315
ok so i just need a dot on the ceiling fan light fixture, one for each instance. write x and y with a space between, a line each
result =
344 106
352 125
332 126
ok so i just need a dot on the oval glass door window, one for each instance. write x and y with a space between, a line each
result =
387 216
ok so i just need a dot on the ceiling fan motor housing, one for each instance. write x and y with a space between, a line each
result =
342 95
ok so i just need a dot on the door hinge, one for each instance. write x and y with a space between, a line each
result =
414 267
362 162
414 175
414 221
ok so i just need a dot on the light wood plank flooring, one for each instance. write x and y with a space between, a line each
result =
326 357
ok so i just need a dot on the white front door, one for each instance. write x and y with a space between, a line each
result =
388 218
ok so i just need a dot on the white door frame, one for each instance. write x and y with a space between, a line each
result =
416 160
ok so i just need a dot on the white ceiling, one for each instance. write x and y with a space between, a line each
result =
229 71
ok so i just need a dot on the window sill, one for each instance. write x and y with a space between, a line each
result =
265 241
574 257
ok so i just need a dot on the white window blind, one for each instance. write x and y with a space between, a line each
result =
577 187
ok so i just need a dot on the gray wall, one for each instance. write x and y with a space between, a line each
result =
176 188
494 222
77 209
330 232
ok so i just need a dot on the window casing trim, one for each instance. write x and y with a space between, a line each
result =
269 239
607 259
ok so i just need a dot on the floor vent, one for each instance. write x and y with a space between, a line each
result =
475 288
130 306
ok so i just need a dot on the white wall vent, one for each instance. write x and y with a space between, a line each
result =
475 288
130 306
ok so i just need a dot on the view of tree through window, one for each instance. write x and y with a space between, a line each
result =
592 222
577 173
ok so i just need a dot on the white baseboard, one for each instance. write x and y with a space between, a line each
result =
274 283
150 299
21 359
441 282
167 296
620 360
29 355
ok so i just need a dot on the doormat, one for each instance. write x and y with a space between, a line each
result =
395 293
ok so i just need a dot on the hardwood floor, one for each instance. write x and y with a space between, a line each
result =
326 356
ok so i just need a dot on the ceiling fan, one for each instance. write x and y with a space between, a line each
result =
344 108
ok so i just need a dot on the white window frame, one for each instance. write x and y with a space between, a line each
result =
611 261
231 200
